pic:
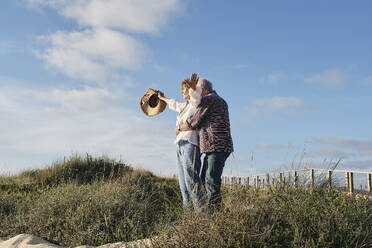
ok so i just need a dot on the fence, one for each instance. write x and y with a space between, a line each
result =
305 177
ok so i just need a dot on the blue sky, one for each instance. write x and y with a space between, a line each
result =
297 76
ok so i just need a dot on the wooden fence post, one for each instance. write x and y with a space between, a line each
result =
247 181
281 178
347 181
369 183
329 178
312 177
240 180
351 182
268 180
257 182
295 178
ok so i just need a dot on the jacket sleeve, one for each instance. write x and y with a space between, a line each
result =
176 106
197 118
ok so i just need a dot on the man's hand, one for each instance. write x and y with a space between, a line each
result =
193 80
184 127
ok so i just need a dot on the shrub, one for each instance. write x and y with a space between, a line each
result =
89 209
77 168
287 217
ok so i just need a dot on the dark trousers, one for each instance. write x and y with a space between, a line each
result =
213 164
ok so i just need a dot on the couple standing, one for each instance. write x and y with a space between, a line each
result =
202 127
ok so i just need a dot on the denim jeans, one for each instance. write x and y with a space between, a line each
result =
211 176
188 160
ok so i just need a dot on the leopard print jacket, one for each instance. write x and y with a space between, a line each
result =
211 119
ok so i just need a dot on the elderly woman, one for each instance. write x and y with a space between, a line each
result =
188 152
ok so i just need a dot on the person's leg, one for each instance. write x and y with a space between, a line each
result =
191 173
181 176
216 162
204 170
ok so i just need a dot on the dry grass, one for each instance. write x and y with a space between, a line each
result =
286 217
93 201
87 201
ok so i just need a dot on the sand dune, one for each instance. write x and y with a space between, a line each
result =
31 241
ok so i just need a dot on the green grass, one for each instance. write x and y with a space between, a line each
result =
286 217
93 201
87 201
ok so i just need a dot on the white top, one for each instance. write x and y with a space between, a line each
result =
184 111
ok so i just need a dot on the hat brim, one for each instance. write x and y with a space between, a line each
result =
151 104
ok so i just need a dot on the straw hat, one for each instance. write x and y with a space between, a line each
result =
151 104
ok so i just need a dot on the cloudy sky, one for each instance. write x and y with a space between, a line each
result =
297 76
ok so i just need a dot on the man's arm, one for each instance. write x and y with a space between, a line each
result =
194 121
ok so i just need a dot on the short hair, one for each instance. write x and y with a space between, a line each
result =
206 85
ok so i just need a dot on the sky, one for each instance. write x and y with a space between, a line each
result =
297 76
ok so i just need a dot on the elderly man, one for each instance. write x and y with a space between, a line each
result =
211 120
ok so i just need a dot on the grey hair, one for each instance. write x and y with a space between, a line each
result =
206 85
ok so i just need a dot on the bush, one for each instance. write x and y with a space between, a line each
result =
94 201
287 217
78 169
90 209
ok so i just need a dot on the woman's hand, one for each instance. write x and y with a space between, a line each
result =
163 98
177 131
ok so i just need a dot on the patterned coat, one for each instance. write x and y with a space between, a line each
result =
211 119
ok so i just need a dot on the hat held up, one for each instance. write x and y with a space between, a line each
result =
151 104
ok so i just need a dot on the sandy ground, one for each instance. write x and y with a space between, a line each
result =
30 241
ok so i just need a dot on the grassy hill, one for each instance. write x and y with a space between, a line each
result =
85 200
93 201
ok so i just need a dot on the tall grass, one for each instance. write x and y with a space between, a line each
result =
87 201
79 169
93 201
286 217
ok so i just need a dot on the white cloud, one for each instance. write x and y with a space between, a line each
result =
142 16
358 164
278 104
334 78
92 54
75 100
134 16
93 120
104 46
330 153
51 3
271 146
362 147
274 77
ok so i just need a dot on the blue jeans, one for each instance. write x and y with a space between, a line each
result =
188 161
211 176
